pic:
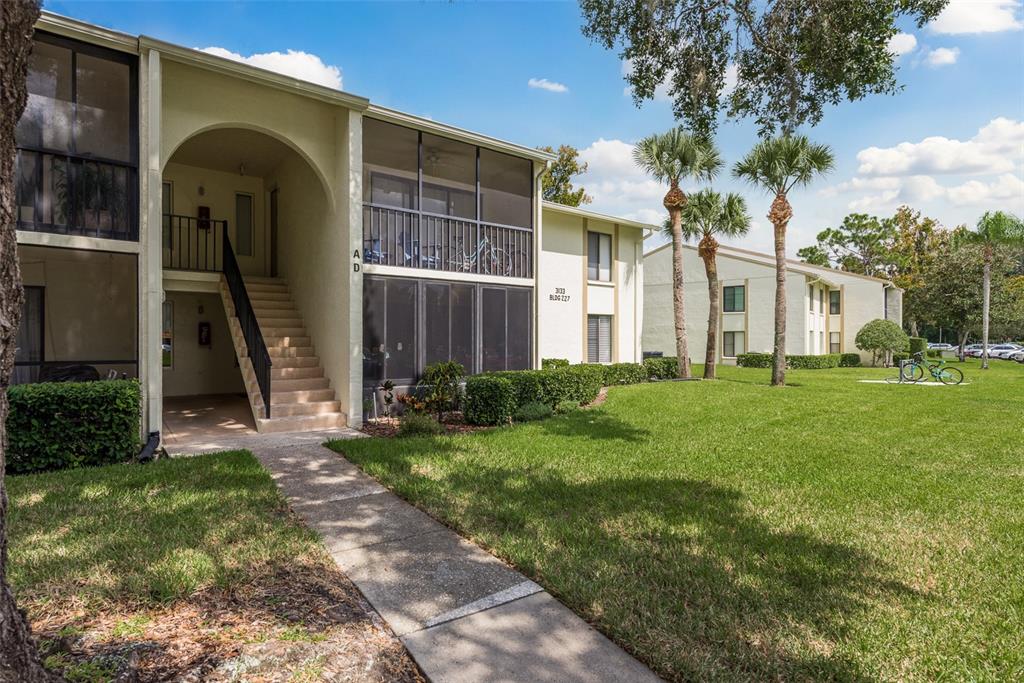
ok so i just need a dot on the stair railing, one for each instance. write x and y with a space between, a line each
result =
255 345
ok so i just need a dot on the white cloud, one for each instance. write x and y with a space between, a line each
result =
942 56
996 148
861 185
1003 192
545 84
902 43
978 16
1007 188
301 65
732 74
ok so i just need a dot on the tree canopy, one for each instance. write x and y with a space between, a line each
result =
882 338
556 180
790 58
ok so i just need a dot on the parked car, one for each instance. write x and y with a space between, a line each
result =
1003 350
973 350
940 347
1017 356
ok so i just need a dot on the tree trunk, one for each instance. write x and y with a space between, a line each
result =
962 337
678 305
710 356
19 660
913 328
779 216
986 295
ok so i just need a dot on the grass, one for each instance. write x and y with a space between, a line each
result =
731 530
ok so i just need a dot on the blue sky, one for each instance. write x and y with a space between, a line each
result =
951 144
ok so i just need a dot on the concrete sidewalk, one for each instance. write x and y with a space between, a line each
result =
463 614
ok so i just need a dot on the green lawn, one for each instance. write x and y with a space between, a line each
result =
731 530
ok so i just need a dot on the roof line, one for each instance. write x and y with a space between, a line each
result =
586 213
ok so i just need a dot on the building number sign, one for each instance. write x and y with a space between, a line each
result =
558 295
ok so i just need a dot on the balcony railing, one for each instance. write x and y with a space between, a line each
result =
191 243
400 237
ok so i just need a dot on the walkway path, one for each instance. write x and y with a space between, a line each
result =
463 614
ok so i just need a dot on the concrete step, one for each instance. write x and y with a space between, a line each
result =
281 373
277 320
290 352
301 423
278 397
259 288
270 307
306 408
283 331
287 341
307 384
281 362
261 296
261 279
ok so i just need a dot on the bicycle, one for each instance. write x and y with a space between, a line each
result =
492 260
916 369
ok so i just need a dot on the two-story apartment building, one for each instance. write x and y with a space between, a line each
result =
825 308
216 229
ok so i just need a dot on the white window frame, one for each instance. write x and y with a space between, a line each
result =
598 352
604 270
742 345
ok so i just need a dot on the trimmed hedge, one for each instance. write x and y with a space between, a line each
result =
918 345
823 362
624 373
754 360
661 368
490 400
849 360
552 363
934 353
59 425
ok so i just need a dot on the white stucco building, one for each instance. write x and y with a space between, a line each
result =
825 307
215 229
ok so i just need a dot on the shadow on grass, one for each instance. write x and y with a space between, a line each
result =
681 572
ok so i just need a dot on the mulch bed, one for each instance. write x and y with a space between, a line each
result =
303 622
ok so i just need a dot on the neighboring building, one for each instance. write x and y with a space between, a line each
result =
825 308
214 228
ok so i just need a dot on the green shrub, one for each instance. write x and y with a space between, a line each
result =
754 360
527 385
823 362
849 360
882 338
59 425
552 363
419 424
534 410
441 386
897 357
580 383
661 368
566 407
918 345
490 400
934 353
624 373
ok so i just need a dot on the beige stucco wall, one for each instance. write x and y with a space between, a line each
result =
90 303
199 369
565 297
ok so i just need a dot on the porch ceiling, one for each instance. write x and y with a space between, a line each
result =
228 149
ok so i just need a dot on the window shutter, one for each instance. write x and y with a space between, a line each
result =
593 340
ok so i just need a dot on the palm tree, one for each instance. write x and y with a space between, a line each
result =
670 157
995 229
707 214
777 165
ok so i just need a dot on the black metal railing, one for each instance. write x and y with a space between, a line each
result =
414 239
256 347
191 243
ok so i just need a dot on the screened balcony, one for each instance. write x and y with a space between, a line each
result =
439 204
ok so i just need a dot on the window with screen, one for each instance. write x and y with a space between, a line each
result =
834 305
734 299
732 344
599 256
599 339
833 343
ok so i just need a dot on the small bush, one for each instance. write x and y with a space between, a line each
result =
823 362
60 425
934 353
528 386
883 338
566 407
580 383
661 368
532 411
552 363
419 424
754 360
624 373
897 357
441 386
918 345
849 360
490 400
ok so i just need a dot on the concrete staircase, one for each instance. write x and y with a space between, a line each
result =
301 397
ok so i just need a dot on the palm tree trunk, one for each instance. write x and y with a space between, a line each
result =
19 660
678 304
986 295
779 216
711 268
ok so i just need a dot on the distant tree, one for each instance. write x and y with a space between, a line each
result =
995 230
882 338
708 215
670 157
19 659
860 245
777 165
556 180
792 58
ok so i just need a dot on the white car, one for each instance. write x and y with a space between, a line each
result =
973 350
1017 356
1003 350
940 347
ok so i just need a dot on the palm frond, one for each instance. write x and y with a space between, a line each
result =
778 164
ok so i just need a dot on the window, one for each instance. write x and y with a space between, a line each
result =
506 189
833 302
732 344
243 224
77 166
599 338
821 300
390 164
28 355
599 256
810 343
821 342
734 299
167 335
810 297
449 177
833 343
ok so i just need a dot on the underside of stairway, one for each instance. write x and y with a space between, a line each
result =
301 397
